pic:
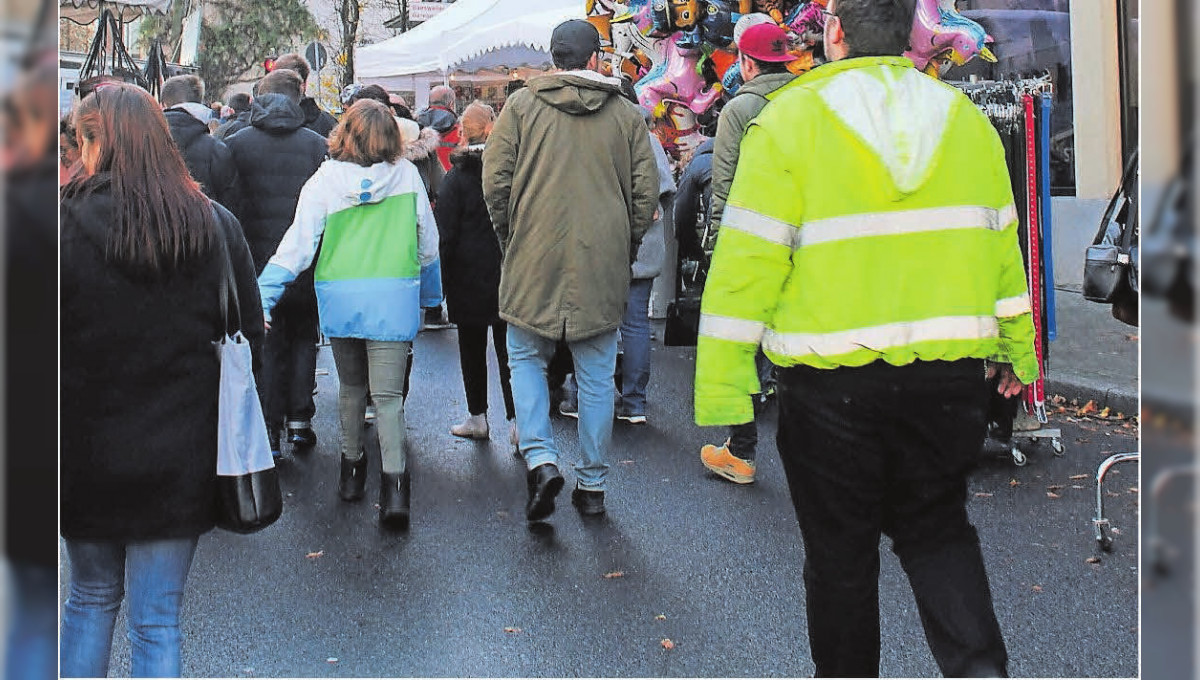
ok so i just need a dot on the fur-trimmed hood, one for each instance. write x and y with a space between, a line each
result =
468 159
424 146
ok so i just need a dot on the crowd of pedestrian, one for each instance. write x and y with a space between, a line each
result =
871 292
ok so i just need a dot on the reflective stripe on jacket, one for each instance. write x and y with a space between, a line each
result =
871 218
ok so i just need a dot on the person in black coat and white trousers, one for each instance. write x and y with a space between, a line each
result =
470 254
142 260
207 158
275 157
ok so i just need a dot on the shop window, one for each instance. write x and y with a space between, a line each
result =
1033 38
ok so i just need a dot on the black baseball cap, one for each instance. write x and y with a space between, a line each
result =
574 41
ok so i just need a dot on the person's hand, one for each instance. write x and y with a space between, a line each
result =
266 325
1010 385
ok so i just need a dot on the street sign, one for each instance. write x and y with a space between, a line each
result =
316 55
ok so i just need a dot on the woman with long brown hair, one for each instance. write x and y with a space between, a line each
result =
143 255
367 209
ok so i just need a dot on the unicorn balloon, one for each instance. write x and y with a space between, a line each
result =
940 34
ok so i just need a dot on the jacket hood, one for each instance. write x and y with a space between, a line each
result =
424 146
276 114
468 159
439 119
355 185
185 128
578 93
767 83
897 112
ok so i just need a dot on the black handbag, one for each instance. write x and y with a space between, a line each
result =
248 494
683 322
1109 274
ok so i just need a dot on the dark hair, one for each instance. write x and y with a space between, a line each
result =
876 28
162 219
366 135
513 86
374 93
240 102
293 62
401 110
179 89
570 61
768 67
628 91
281 81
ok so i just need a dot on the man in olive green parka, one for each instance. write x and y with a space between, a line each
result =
571 186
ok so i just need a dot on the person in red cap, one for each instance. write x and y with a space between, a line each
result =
763 57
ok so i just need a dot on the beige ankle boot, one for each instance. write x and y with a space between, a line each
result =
474 427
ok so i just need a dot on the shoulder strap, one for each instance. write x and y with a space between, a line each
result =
1130 168
228 283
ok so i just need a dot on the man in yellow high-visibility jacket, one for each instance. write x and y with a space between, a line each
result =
870 246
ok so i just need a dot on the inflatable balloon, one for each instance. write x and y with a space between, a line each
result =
941 35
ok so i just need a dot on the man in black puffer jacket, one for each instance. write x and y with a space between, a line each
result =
275 157
315 118
207 159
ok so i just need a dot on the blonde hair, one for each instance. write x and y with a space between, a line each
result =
476 122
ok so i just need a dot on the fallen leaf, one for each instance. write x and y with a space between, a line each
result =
512 629
1116 531
1089 407
1093 560
502 514
1133 489
1037 589
1110 494
1058 399
1104 413
1077 486
1055 487
332 659
315 555
1051 494
667 644
615 574
1080 476
626 462
661 617
983 494
1014 483
1131 338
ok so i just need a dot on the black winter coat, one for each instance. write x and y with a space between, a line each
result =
139 377
275 157
469 249
207 158
316 118
31 310
693 198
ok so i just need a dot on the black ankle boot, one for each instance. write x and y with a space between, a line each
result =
393 499
353 482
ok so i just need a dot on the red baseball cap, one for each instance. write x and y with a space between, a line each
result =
766 42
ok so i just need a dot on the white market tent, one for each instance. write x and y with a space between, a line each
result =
465 35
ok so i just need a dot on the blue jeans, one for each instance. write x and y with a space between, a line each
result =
33 627
156 572
635 338
595 361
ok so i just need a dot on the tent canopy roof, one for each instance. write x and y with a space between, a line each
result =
87 11
465 30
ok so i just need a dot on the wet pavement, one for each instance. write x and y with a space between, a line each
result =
714 568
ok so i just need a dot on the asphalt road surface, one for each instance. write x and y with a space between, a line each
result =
682 556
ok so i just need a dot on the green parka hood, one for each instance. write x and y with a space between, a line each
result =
579 93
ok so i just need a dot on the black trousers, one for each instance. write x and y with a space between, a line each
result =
472 356
289 367
884 449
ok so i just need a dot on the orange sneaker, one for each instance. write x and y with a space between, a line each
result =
727 465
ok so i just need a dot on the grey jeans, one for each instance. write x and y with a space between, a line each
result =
379 365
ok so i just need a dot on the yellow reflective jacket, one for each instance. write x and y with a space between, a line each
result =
871 218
